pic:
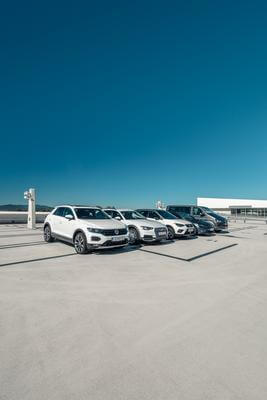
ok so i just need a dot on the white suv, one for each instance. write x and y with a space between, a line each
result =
139 227
176 227
87 228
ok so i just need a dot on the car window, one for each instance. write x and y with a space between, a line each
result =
132 215
67 211
59 211
166 214
184 209
109 212
153 214
197 211
116 214
143 212
113 213
91 213
179 209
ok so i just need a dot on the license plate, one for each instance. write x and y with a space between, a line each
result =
162 233
116 239
191 230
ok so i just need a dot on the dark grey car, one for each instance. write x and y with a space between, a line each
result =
202 226
201 213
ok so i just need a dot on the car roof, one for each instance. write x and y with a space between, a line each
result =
125 209
77 205
149 209
183 205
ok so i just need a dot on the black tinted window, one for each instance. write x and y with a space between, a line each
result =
59 211
109 212
113 213
153 214
197 211
166 214
67 211
144 213
183 209
91 213
132 215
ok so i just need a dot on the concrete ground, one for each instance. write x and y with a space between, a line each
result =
185 320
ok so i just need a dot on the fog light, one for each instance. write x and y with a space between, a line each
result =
95 238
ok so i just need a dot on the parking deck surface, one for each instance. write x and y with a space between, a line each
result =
184 320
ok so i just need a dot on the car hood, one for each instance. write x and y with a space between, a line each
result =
218 217
144 222
176 221
102 223
205 224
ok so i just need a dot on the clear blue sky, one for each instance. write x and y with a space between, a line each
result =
125 103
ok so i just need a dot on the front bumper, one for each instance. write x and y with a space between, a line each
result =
206 231
154 235
96 240
185 231
221 227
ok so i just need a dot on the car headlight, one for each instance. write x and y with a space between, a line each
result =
94 230
179 224
146 228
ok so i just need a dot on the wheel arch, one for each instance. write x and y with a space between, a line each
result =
136 228
77 231
47 224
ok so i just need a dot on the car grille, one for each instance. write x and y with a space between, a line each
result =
221 223
189 232
114 232
159 230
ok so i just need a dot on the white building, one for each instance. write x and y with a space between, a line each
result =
235 206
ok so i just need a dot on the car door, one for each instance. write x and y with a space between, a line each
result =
198 213
67 225
57 220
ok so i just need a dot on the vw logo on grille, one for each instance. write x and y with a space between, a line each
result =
116 232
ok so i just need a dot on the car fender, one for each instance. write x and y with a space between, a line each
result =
76 231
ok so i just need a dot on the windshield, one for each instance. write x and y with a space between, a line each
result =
212 214
166 215
207 209
132 215
91 213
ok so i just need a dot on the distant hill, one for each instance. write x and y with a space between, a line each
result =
23 207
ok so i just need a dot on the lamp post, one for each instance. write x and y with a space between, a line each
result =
30 196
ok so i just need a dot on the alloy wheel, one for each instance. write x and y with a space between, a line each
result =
79 243
133 237
170 233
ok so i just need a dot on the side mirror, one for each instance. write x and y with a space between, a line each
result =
69 217
118 218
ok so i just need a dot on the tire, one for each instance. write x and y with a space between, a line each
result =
48 234
80 243
171 233
133 236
